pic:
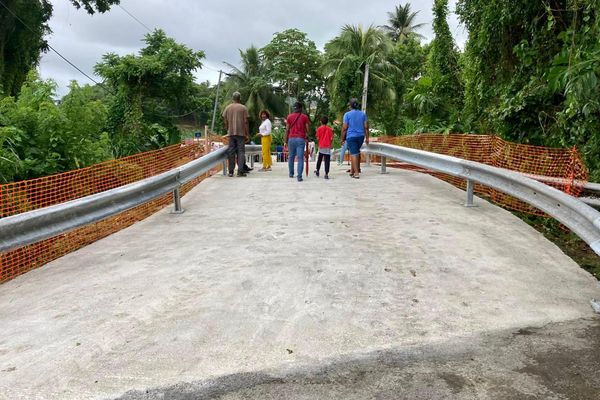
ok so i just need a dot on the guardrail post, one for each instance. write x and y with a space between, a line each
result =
469 202
252 161
368 159
177 201
224 167
383 165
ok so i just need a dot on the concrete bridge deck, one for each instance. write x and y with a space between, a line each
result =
263 277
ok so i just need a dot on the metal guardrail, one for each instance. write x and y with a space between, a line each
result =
33 226
582 219
592 187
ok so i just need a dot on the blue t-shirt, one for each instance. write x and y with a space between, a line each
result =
356 123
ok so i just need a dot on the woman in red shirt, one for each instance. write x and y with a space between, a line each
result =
296 133
325 138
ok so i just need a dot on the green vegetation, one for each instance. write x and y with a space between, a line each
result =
529 73
38 138
345 60
23 25
401 24
436 99
253 83
149 92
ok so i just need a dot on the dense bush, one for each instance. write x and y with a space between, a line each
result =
38 137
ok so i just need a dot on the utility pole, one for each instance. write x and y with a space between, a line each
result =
365 89
212 123
364 105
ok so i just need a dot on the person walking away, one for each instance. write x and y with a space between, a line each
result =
264 130
296 137
325 138
235 117
355 131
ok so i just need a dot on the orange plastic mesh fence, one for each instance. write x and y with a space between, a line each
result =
563 165
32 194
560 168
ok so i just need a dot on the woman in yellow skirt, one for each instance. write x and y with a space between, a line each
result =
265 140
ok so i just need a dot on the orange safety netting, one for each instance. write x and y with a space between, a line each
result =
559 168
19 197
563 166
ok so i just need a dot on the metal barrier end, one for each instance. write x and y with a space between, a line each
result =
596 247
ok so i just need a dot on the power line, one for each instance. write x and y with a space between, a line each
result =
56 51
149 30
133 16
86 75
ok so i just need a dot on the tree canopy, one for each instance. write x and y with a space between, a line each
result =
253 83
345 59
150 90
529 73
23 26
402 24
292 61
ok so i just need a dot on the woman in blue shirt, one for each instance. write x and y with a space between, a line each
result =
355 131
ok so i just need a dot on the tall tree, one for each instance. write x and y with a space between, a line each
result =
252 81
409 58
345 59
23 25
402 23
292 61
151 90
438 95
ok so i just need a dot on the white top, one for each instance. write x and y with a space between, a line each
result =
265 128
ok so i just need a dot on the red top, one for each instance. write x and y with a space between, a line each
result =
298 129
324 136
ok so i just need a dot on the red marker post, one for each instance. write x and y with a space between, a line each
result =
306 158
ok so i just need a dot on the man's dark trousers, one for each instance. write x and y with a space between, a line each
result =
236 147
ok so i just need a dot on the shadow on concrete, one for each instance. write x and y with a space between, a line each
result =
559 360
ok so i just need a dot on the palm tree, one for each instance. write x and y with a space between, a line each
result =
344 65
401 23
252 83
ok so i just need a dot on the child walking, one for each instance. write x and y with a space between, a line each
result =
325 138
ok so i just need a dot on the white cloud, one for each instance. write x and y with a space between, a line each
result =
217 29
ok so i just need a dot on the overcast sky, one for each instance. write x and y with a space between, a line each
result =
219 28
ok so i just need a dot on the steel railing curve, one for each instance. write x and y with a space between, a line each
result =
34 226
582 219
